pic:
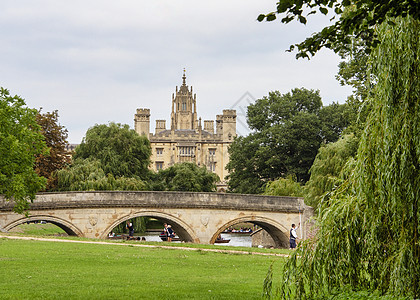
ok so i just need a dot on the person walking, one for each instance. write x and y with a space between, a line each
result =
171 233
293 236
130 228
165 231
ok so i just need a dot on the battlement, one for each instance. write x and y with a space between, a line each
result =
229 112
209 125
229 116
161 124
142 121
143 111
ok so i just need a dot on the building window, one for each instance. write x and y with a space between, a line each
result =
213 166
159 151
184 106
159 165
211 160
186 151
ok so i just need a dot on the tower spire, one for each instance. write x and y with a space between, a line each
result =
183 78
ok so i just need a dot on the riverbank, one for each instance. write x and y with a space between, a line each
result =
190 247
52 231
187 247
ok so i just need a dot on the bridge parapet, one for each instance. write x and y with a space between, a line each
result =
158 199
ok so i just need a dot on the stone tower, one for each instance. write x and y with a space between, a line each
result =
184 110
142 121
226 124
188 140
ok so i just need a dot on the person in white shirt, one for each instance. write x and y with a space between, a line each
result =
130 228
293 236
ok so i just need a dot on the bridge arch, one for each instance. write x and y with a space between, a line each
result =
182 229
68 227
276 230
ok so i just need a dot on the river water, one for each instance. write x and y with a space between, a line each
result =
236 239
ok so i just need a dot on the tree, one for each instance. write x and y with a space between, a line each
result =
244 176
185 177
369 227
56 140
20 141
88 175
353 71
288 130
335 119
284 187
277 108
120 150
353 18
110 157
295 146
329 168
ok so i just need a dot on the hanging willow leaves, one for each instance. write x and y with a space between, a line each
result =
329 169
369 226
88 175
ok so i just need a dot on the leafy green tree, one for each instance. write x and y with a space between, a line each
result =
354 18
295 146
278 108
369 228
21 141
243 164
284 187
353 71
335 119
88 175
328 170
185 177
56 140
288 130
121 151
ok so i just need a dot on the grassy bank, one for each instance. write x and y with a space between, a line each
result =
50 230
48 270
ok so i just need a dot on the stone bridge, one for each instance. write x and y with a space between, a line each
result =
195 217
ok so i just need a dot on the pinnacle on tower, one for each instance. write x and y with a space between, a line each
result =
183 78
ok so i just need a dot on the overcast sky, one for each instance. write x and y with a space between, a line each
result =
97 61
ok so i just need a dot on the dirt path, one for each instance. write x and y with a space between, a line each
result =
27 238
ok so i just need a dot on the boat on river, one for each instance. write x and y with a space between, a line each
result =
221 241
164 237
237 232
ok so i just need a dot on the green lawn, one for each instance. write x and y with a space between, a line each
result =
52 270
119 270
